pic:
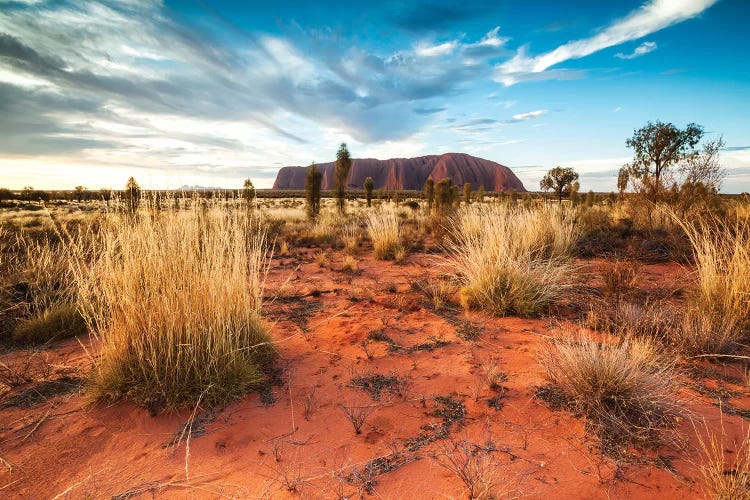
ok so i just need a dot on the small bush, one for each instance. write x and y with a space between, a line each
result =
624 390
59 322
351 234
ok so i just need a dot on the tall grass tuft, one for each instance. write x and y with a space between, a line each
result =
37 290
175 301
511 260
717 319
384 230
723 478
326 226
625 390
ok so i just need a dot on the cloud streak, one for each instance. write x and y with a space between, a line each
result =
651 17
641 50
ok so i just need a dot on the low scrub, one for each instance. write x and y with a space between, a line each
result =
509 260
625 390
175 302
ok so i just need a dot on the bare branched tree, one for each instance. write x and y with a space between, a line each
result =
704 167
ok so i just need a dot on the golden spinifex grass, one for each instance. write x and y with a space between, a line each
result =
43 303
724 466
384 230
326 226
717 318
511 260
175 301
626 390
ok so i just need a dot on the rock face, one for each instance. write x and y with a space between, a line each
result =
411 173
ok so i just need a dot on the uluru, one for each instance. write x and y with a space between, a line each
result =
411 173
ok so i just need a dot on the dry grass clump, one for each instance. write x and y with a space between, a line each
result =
625 390
439 290
717 319
58 322
651 319
175 302
37 293
620 278
326 226
46 268
349 264
476 467
351 234
511 260
724 479
384 230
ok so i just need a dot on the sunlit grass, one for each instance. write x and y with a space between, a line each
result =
175 301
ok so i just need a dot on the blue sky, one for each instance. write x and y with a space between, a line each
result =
210 92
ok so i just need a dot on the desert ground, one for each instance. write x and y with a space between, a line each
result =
392 376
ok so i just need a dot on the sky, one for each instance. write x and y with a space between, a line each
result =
210 92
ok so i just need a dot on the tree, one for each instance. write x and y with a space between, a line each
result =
444 195
480 194
368 185
80 193
657 147
467 193
704 167
574 196
455 200
312 190
623 178
701 180
559 180
132 195
6 194
248 192
106 195
590 198
429 192
341 173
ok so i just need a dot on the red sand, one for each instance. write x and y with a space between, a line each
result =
70 448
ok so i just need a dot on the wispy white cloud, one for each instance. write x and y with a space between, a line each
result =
639 51
520 117
490 45
426 50
651 17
